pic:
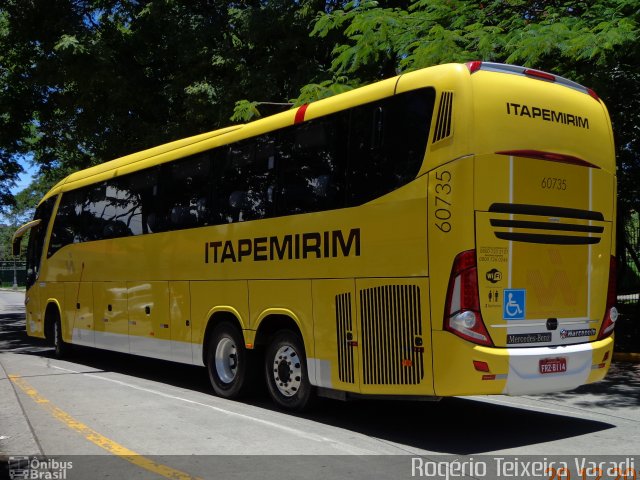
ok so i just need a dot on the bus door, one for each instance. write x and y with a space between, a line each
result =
34 315
37 236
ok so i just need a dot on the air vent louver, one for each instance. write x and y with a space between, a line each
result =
344 329
443 124
391 335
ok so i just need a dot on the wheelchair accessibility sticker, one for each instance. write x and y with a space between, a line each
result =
514 304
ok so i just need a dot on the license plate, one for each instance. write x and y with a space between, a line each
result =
553 365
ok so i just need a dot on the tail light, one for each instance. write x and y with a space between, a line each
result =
474 66
611 312
462 315
538 74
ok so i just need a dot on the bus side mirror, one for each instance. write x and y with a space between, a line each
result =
16 247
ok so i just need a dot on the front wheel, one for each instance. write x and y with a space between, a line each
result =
227 361
60 347
286 372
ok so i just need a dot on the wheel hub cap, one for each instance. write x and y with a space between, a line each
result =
226 360
287 371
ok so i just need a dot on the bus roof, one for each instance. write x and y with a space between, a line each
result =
438 76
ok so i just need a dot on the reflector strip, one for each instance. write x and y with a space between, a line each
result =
549 156
481 366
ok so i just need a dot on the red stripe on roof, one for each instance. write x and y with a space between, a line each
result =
300 113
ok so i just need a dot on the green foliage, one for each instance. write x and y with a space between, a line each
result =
245 111
430 32
86 81
316 91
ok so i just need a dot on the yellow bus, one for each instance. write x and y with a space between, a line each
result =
449 231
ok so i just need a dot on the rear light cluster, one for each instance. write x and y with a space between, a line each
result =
611 312
462 315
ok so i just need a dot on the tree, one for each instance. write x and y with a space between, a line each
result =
86 81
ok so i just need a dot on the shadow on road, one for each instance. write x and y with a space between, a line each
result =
453 425
619 389
13 336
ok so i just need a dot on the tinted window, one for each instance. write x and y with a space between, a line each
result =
36 239
344 159
387 144
312 163
87 214
137 198
185 195
69 220
245 180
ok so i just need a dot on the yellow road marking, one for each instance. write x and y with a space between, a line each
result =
96 438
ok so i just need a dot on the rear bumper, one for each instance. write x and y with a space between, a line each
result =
514 371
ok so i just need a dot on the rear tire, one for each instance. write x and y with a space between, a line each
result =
286 372
227 361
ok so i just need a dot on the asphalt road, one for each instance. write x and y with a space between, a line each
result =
121 416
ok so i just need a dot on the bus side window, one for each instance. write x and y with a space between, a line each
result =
387 143
96 213
137 200
312 161
245 180
64 225
185 189
113 227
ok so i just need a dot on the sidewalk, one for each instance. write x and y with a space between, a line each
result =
627 331
16 436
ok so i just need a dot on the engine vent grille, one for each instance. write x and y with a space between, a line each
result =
443 123
344 329
391 335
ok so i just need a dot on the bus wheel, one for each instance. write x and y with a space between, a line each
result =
286 371
227 361
60 347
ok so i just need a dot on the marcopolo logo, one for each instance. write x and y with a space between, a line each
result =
585 332
38 468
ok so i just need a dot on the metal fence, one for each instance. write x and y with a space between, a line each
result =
628 259
12 272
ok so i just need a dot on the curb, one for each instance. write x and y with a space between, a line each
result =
626 357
